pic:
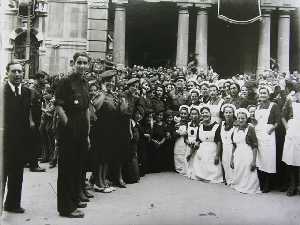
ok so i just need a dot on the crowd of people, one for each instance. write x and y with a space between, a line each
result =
123 123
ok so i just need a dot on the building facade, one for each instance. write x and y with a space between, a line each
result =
157 32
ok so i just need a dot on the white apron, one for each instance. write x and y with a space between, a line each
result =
180 152
244 180
266 155
291 149
202 165
227 152
215 111
192 137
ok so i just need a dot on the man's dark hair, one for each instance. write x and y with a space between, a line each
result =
40 75
78 54
12 63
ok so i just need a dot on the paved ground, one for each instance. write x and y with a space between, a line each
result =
164 199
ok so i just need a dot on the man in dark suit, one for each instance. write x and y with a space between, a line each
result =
17 125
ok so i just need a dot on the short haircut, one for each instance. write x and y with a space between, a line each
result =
205 108
12 63
40 75
83 54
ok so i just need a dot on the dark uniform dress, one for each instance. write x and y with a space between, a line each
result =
15 142
72 95
36 148
105 129
155 152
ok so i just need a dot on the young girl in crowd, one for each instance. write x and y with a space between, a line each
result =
243 160
158 138
180 147
168 147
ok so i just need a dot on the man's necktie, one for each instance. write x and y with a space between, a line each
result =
17 90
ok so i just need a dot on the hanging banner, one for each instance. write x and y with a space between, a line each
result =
239 11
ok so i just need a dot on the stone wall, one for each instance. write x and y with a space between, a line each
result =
66 33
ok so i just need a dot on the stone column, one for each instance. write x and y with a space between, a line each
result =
296 31
119 34
182 36
263 58
201 38
97 27
283 45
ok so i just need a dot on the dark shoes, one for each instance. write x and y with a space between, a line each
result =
75 214
81 205
14 210
83 198
37 169
292 192
88 194
121 184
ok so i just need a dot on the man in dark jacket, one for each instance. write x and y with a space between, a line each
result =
17 125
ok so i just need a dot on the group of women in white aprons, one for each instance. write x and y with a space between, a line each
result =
233 150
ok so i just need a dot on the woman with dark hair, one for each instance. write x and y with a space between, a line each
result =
168 147
158 101
291 156
207 166
158 138
243 160
144 99
234 93
215 103
267 116
223 136
106 107
180 147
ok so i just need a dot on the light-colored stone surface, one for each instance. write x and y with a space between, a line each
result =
201 37
283 45
182 36
264 44
119 34
159 199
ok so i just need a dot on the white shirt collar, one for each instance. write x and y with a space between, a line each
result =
14 89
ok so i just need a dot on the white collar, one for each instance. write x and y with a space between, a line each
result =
13 87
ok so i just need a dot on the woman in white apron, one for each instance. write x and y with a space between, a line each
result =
192 139
195 99
243 161
206 161
215 103
224 134
291 149
267 116
180 147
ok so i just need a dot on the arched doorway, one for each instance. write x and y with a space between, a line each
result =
19 50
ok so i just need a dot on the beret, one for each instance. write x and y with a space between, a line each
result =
179 78
107 74
132 81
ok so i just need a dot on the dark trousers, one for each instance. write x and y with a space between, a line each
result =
35 147
265 180
70 169
14 179
293 173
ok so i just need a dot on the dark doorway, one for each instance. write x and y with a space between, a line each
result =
20 52
232 49
151 33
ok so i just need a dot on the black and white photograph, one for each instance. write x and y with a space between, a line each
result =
149 112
